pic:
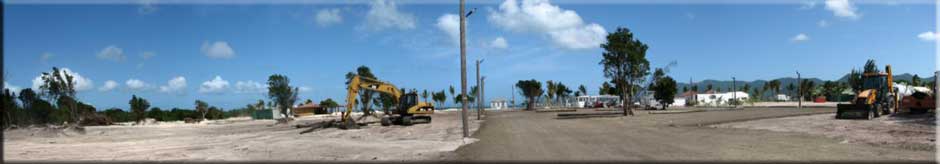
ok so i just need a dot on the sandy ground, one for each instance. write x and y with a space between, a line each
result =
914 132
240 139
792 104
682 137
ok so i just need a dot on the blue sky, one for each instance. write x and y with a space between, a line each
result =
171 54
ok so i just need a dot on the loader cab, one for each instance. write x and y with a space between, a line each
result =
406 101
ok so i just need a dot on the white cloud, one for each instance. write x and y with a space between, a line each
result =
928 36
12 88
499 42
147 55
218 50
304 89
800 37
384 14
250 87
450 24
112 53
842 8
822 23
564 27
136 85
216 85
147 7
81 83
45 57
108 86
175 85
327 17
808 5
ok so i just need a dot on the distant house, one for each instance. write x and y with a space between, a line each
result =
713 98
498 104
782 97
306 109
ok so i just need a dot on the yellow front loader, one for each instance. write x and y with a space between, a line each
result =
406 111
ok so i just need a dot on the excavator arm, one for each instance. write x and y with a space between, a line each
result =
358 83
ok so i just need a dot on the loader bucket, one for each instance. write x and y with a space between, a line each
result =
852 111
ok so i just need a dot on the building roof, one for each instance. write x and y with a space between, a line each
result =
308 105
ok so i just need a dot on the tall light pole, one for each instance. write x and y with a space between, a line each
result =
800 90
463 68
479 90
734 92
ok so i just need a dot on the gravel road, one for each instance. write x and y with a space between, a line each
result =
531 136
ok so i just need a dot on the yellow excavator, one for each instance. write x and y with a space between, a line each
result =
406 112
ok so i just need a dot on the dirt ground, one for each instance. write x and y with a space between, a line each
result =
914 132
541 136
240 139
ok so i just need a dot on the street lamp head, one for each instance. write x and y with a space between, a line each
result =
471 12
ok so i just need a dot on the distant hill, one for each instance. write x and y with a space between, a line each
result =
726 84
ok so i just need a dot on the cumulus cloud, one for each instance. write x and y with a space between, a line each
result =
81 83
384 14
564 27
842 8
218 50
147 7
112 53
108 86
250 87
799 38
928 36
499 42
175 85
327 17
808 5
304 89
216 85
450 25
136 85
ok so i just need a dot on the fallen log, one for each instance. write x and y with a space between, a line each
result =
318 125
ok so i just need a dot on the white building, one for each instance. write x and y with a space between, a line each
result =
649 99
782 97
712 98
499 104
582 101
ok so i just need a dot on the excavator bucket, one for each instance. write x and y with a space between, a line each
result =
853 111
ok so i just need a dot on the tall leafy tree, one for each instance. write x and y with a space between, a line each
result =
550 89
605 89
281 93
57 84
870 66
855 80
424 94
365 96
8 99
915 81
139 108
790 88
664 88
202 108
806 88
452 94
582 90
531 89
624 61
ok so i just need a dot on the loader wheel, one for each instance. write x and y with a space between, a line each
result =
874 111
406 120
386 121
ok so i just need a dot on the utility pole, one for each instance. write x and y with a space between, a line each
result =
512 102
463 69
479 90
734 92
800 90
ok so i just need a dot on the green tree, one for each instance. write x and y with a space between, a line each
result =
870 66
605 89
329 103
157 114
452 94
139 107
855 80
440 98
424 95
807 89
531 89
57 84
202 108
746 87
550 90
790 88
281 93
915 81
582 91
708 87
664 91
624 61
8 99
